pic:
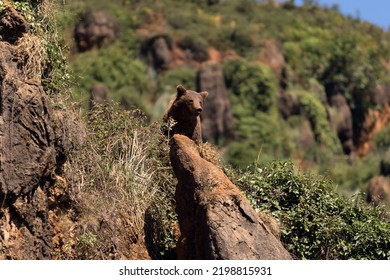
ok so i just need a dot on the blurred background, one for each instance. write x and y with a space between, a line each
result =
306 81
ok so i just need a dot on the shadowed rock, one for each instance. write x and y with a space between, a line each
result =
378 191
217 118
381 94
27 163
216 220
341 120
158 49
94 29
12 25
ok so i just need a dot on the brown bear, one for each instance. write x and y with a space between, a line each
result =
185 110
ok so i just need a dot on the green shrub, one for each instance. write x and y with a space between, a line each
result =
121 172
168 80
316 113
316 222
124 75
253 84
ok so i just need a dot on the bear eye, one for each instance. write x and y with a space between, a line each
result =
191 101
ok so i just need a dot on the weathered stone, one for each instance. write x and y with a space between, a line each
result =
12 25
216 220
378 191
27 146
94 29
341 120
158 49
217 118
27 163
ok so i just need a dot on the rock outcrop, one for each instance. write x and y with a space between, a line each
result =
216 220
28 159
94 29
217 118
28 154
158 50
378 191
341 120
99 95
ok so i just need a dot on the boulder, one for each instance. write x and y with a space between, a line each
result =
381 94
378 191
99 95
216 220
217 118
341 121
158 50
12 25
94 29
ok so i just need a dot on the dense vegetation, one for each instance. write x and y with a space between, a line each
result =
120 172
324 51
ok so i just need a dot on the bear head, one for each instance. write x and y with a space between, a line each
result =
190 102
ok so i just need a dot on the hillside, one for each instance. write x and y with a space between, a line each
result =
305 83
297 117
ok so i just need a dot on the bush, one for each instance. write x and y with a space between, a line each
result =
317 115
121 172
125 76
316 222
253 84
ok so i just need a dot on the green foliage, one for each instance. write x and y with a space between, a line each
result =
316 222
168 80
121 172
253 93
261 137
86 244
253 85
316 113
116 67
197 45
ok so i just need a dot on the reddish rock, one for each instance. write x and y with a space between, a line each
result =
378 191
216 220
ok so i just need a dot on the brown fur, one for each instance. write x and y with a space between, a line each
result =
185 110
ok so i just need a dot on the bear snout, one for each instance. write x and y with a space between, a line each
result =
198 111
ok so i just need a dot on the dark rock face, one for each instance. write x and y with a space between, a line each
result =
341 120
158 49
378 191
94 29
216 220
217 118
99 95
381 94
28 153
287 105
12 25
28 157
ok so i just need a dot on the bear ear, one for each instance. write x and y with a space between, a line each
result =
204 94
180 90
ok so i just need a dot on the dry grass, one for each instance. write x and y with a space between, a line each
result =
116 178
32 55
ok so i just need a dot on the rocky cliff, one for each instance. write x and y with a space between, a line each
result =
216 220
